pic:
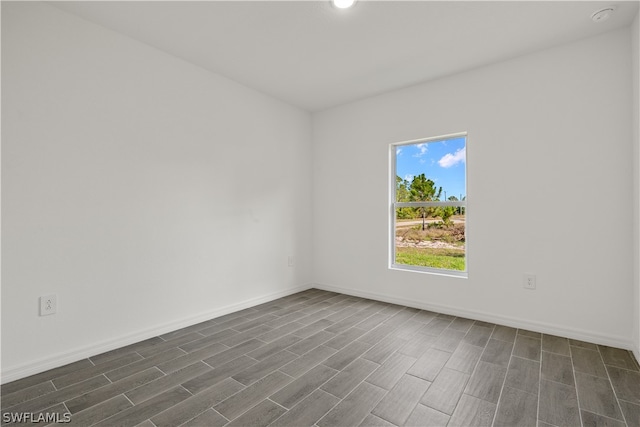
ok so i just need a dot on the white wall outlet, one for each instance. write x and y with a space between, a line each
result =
48 304
292 261
529 281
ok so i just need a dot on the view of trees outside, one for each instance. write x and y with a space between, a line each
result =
434 235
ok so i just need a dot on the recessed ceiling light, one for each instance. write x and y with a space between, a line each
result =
343 4
603 14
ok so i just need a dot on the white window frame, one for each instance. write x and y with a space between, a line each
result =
394 205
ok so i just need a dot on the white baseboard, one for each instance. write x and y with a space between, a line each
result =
61 359
546 328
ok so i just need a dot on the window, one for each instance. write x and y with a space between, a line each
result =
428 205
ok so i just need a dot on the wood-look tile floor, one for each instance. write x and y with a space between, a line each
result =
322 359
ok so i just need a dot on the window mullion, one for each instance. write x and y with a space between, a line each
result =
428 204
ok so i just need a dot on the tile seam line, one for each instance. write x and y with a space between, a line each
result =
253 406
504 381
575 384
352 390
615 394
295 379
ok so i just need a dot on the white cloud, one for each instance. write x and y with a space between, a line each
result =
408 177
422 150
398 151
449 159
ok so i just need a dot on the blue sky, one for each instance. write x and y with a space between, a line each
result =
441 161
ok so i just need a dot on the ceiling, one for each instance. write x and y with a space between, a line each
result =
314 56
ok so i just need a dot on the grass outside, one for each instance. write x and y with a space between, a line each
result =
437 246
450 259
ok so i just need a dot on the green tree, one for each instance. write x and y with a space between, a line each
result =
402 190
423 189
403 195
446 212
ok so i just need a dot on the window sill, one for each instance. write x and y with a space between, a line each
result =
433 271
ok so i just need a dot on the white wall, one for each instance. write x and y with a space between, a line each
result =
549 177
145 192
635 111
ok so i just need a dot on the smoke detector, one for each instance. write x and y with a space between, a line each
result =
603 14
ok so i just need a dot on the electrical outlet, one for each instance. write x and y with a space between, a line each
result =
48 304
291 261
529 281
